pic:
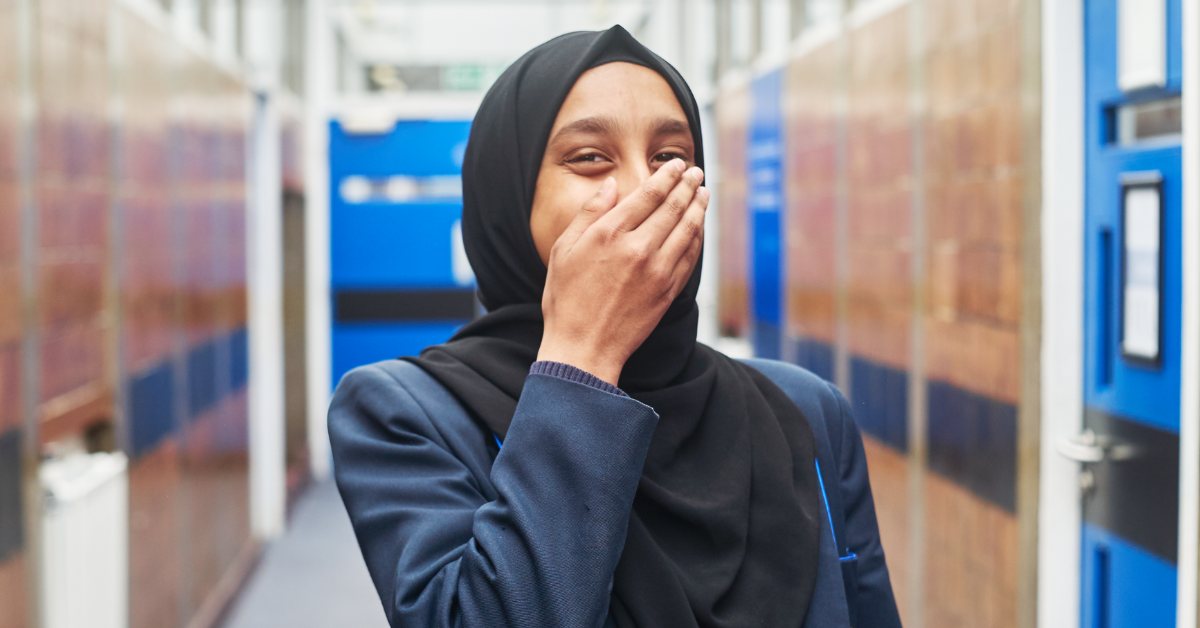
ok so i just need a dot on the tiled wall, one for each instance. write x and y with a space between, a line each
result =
811 186
135 200
903 259
733 115
182 210
974 206
13 592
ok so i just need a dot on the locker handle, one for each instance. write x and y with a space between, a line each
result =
1090 448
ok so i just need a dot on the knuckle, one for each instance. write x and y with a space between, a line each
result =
653 194
676 205
606 233
638 253
691 229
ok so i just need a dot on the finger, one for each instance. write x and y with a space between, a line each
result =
686 264
591 211
634 209
688 229
659 225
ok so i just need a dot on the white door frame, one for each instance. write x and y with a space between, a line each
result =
1189 386
319 87
1059 509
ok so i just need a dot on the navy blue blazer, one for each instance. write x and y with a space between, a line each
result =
457 531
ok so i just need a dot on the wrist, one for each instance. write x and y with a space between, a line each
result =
590 361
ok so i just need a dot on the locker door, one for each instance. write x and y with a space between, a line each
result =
398 275
1129 449
765 183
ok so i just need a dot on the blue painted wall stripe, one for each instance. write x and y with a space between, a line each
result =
151 408
973 442
813 355
202 378
880 398
239 359
12 521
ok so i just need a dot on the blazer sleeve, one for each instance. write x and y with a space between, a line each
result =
539 552
875 602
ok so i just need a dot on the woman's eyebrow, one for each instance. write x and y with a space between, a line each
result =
596 125
669 126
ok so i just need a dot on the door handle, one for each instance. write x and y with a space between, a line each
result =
1082 448
1090 448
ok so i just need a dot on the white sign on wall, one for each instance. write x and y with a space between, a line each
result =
1140 312
1142 44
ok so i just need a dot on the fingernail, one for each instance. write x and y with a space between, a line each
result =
702 192
608 185
696 174
678 164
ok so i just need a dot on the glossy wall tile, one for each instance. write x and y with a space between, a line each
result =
123 224
733 114
13 591
902 262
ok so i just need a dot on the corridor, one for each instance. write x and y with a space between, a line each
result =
313 576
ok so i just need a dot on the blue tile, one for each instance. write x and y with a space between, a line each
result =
879 394
12 521
973 442
202 378
766 340
239 359
151 408
814 355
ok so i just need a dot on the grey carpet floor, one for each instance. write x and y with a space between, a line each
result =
313 576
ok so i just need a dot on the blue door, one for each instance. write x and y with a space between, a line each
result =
1130 445
399 277
765 182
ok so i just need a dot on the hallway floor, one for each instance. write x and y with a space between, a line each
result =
313 576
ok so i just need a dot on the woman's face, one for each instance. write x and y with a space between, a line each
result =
620 120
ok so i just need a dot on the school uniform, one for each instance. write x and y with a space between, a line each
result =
460 529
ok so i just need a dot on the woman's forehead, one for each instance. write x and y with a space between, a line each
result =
628 95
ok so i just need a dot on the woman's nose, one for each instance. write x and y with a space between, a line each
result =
630 178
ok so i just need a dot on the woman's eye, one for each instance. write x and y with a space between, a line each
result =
589 158
665 157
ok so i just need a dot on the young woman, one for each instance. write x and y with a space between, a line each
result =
574 457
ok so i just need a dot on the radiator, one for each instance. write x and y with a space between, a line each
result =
85 542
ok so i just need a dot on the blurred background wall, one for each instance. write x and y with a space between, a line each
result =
906 159
125 181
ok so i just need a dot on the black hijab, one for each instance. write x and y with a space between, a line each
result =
726 521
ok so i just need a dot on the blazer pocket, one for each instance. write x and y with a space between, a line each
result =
849 566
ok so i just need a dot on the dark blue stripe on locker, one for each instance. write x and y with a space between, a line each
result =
880 395
202 378
815 356
1137 497
404 305
12 522
151 408
239 359
973 442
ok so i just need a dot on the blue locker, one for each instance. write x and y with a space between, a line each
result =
398 276
1132 324
764 161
